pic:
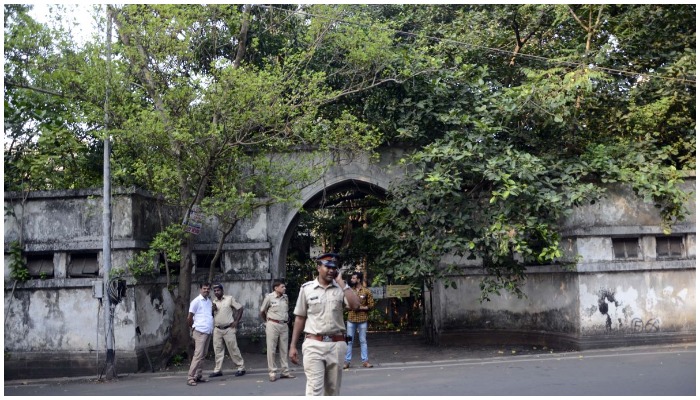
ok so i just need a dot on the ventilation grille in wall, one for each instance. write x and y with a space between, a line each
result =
203 261
40 265
669 247
626 248
83 265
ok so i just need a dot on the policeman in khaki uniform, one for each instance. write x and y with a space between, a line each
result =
319 313
275 312
227 315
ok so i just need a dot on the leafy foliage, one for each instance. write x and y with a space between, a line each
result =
524 142
18 268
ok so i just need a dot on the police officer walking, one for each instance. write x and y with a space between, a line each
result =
319 314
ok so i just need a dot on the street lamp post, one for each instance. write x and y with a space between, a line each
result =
109 370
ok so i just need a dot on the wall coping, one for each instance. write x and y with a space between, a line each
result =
74 193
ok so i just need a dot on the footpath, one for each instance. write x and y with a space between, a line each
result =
385 349
390 348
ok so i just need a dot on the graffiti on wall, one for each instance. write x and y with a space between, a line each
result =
612 308
651 326
621 315
619 311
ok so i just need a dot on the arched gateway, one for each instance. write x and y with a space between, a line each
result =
361 175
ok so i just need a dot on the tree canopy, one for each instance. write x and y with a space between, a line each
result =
532 110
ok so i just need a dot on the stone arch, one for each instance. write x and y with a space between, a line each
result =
361 174
292 217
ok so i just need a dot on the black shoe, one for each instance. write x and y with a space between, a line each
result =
240 373
215 374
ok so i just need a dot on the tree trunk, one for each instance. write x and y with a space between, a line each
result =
178 342
219 249
243 36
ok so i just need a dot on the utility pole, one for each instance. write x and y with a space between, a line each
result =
109 370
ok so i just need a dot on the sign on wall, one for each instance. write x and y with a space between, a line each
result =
398 291
377 292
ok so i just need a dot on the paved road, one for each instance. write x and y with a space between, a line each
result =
637 371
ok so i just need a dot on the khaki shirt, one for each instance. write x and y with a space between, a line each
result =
323 308
276 307
225 307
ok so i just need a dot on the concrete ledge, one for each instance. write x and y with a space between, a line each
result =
35 365
553 340
609 341
233 246
627 266
592 267
561 341
73 193
636 230
84 245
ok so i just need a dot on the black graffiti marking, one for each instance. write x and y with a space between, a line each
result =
637 325
604 297
652 325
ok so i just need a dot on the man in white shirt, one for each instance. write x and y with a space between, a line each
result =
201 322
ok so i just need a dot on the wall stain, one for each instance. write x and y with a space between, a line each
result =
606 297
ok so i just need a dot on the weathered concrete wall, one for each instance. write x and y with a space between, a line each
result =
60 320
55 322
604 301
72 220
154 308
645 302
551 304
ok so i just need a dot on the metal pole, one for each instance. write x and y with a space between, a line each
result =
110 371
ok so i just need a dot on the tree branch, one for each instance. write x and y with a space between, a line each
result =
243 36
34 88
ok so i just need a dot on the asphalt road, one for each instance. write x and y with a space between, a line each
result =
639 371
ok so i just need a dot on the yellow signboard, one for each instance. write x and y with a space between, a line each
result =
398 290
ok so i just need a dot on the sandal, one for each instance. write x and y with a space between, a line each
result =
366 364
191 382
201 380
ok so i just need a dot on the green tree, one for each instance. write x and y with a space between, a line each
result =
515 139
51 125
205 101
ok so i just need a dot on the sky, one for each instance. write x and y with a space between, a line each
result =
78 18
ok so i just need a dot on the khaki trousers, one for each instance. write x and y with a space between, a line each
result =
228 337
323 366
201 345
277 338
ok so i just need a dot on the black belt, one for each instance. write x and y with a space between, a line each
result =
279 322
223 326
327 338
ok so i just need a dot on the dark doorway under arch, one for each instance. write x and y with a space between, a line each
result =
344 205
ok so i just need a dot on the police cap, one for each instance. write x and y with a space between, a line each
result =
328 259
